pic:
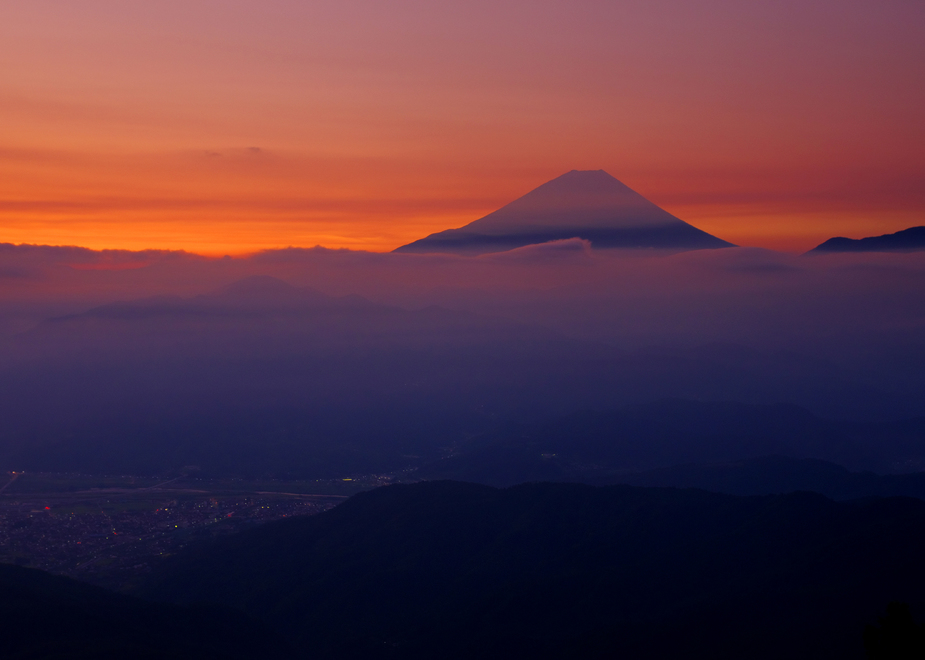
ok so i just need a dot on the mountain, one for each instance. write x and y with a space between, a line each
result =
48 617
455 570
907 240
768 475
587 204
265 312
610 446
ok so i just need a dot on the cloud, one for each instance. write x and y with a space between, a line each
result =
565 249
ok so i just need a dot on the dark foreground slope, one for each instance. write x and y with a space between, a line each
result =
45 616
447 569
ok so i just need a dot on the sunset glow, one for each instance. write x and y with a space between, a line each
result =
221 127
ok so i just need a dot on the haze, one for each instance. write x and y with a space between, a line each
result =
406 330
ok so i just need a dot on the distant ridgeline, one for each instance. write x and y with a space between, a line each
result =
907 240
591 205
722 446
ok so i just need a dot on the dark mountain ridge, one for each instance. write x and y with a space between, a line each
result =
48 617
447 569
579 204
906 240
769 475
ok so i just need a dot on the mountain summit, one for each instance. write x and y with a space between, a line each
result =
587 204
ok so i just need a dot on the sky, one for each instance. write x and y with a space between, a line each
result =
236 126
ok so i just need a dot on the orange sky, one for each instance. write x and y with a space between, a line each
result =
232 126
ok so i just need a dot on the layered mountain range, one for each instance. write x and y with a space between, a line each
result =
261 377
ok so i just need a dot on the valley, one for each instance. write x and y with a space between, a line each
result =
112 532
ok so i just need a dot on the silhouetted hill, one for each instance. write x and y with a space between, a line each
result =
45 617
896 636
454 570
604 446
778 474
585 204
907 240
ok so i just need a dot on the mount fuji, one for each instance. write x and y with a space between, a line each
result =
588 204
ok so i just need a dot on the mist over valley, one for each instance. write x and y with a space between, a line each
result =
706 433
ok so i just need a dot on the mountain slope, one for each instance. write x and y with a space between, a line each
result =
454 570
46 616
586 204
